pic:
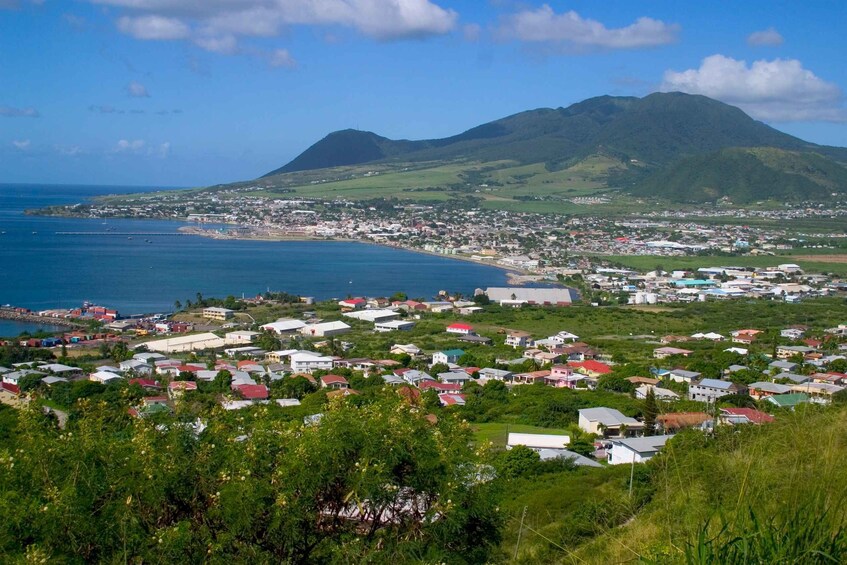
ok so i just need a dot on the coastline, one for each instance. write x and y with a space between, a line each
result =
514 275
36 319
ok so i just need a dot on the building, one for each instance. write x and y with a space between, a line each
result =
220 314
309 361
405 349
185 344
284 326
683 376
449 356
240 337
373 316
537 442
608 422
517 338
325 329
764 389
744 416
460 329
665 352
636 449
394 325
709 390
516 296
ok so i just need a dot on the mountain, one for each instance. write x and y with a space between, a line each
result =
669 145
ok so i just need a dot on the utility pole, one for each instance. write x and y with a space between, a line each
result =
631 474
520 531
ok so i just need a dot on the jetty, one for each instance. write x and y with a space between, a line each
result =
125 234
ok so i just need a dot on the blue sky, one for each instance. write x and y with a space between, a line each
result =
196 92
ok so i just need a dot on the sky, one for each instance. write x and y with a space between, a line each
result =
200 92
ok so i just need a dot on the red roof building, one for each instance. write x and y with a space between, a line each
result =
461 329
253 392
425 385
591 368
334 381
745 416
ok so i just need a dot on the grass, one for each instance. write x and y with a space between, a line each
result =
498 433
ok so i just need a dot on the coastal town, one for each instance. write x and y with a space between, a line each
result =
447 354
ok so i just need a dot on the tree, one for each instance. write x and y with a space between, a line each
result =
651 410
519 461
177 305
615 383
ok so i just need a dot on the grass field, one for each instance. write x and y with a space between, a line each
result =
497 433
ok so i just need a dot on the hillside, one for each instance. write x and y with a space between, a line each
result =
745 175
673 146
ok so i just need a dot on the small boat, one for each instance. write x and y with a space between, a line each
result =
129 237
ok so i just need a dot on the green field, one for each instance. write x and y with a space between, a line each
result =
497 433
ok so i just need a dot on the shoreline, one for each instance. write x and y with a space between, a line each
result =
36 319
514 275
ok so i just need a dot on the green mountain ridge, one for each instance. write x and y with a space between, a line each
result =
666 145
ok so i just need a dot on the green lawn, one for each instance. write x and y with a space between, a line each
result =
497 432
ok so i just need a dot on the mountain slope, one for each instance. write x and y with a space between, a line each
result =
746 174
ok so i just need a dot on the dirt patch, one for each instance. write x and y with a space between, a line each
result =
822 258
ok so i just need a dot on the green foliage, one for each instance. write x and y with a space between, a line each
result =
613 382
518 462
374 483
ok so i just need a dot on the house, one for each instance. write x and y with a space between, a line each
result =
672 422
220 314
460 329
447 357
325 329
782 365
415 377
454 377
61 370
240 337
352 303
284 326
473 338
308 361
635 450
394 325
819 393
136 366
448 399
660 393
537 442
788 400
541 357
254 393
375 316
495 374
745 336
764 389
405 349
709 390
178 388
638 381
439 387
789 351
334 382
608 422
744 416
517 338
792 333
101 377
665 352
530 378
590 368
792 378
683 376
562 376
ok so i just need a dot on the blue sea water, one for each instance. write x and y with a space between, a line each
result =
41 269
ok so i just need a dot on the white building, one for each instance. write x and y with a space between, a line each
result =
186 343
325 329
538 441
284 326
309 361
373 316
635 449
240 337
607 422
394 325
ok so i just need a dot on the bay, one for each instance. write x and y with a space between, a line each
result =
40 268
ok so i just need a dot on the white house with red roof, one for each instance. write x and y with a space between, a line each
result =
253 392
460 329
353 303
177 388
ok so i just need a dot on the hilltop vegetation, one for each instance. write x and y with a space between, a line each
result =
671 146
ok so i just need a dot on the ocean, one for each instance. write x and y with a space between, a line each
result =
43 269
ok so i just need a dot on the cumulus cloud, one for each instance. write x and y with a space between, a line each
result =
217 25
129 146
780 90
10 112
544 25
137 90
153 27
22 144
282 58
767 37
70 150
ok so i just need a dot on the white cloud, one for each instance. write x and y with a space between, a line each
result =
70 150
137 90
543 25
22 144
206 22
153 27
224 44
129 146
164 150
282 58
767 37
780 90
10 112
